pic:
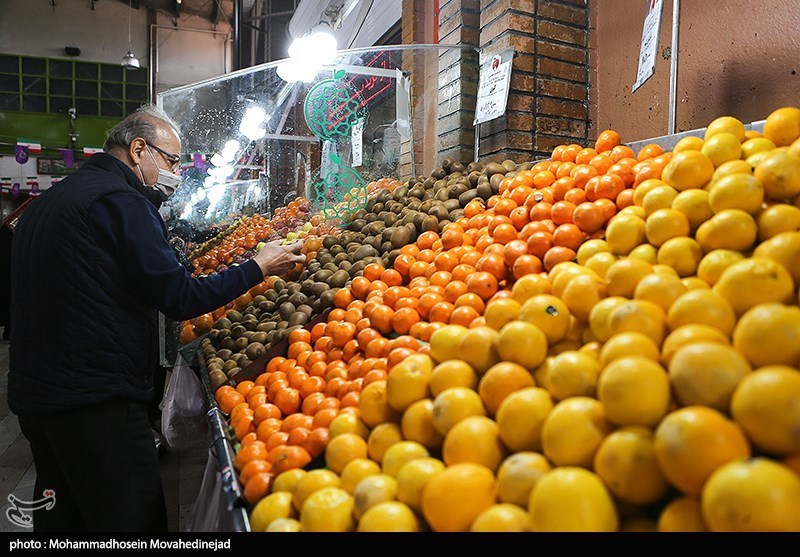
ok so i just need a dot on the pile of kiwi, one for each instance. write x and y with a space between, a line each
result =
389 221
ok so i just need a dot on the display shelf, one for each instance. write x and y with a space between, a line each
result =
222 448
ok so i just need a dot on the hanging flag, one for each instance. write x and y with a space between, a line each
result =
5 184
89 151
15 190
33 184
21 154
68 156
34 147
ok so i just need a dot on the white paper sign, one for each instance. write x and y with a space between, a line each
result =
391 145
649 46
493 86
402 93
357 141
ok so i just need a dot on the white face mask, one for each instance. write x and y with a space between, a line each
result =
166 183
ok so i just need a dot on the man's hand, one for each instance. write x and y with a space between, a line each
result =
276 259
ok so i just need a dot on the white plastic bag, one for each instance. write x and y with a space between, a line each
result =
183 412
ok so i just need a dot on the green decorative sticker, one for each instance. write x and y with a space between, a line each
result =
339 192
332 108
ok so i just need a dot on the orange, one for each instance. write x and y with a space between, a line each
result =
399 453
722 147
753 281
689 142
388 516
631 343
445 342
688 169
408 381
571 499
501 518
479 348
277 504
452 373
374 406
694 205
782 126
413 477
500 380
258 487
417 425
754 495
769 334
682 514
713 264
725 124
688 334
288 457
634 391
381 438
549 313
454 497
573 430
785 249
681 253
371 490
453 405
356 470
763 405
703 307
329 509
637 315
663 224
692 442
518 474
474 439
706 373
598 316
623 276
660 289
582 293
729 229
501 311
572 373
522 343
624 233
626 462
342 449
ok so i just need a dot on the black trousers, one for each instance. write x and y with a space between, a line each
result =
102 463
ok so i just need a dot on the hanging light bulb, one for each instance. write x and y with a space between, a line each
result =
129 60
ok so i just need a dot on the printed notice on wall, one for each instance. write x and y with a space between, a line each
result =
493 85
357 140
647 51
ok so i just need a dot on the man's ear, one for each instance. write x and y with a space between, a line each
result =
136 150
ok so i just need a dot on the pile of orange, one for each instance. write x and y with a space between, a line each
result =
552 389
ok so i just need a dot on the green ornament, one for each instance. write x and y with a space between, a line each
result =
332 108
339 195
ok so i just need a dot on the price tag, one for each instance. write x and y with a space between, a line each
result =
493 85
649 46
357 141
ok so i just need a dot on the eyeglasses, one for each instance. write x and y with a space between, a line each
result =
174 160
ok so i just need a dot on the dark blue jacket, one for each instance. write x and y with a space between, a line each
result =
90 266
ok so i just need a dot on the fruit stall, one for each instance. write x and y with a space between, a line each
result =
605 340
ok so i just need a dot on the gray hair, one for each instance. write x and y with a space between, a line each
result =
139 124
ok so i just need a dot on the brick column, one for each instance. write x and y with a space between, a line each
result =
459 24
548 103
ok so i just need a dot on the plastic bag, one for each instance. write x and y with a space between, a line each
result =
183 411
210 512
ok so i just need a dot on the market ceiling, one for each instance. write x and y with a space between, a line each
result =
212 10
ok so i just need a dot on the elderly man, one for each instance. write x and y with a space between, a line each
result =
90 266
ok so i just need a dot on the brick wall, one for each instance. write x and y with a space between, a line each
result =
548 102
459 24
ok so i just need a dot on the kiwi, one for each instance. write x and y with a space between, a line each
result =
223 323
338 279
234 316
266 306
326 298
240 344
493 168
329 241
452 205
228 365
430 223
286 310
255 350
364 252
232 373
298 318
298 298
509 165
217 379
266 326
400 237
238 330
466 197
317 289
258 337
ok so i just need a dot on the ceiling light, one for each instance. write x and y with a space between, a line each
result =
129 60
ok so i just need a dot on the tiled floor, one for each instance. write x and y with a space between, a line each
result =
181 471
